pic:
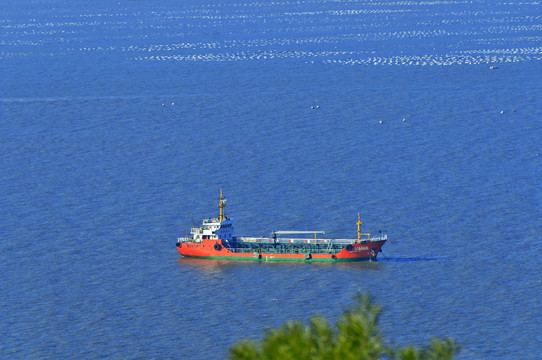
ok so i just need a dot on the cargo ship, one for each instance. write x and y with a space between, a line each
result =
214 240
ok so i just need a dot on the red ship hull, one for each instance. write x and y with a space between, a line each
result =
218 249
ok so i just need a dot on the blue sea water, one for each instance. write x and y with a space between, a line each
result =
119 119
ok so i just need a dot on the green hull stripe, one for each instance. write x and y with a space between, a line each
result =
246 258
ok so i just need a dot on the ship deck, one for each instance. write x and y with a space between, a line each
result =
283 248
287 246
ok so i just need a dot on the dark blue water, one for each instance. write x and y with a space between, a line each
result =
119 119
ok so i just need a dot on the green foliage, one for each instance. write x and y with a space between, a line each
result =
437 350
355 336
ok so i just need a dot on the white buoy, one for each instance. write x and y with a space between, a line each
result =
502 111
404 120
163 104
172 103
380 121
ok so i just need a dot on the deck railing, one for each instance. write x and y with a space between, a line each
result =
299 250
284 240
298 241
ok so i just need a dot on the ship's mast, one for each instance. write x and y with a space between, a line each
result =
359 230
221 205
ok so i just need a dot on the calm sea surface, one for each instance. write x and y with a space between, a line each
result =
119 119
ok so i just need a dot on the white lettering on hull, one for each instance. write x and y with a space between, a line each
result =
360 249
